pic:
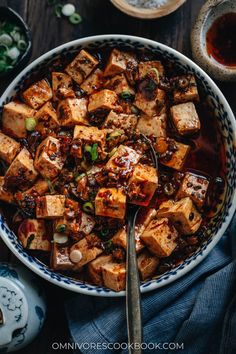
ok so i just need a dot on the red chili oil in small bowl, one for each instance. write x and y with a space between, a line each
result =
221 39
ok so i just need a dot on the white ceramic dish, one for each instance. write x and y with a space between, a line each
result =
226 121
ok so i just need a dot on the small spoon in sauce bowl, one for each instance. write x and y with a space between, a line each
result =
213 39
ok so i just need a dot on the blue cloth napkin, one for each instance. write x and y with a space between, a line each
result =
195 314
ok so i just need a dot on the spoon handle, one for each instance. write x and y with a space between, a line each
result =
133 301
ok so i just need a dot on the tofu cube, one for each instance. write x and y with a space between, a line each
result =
152 126
40 187
85 250
90 135
144 68
48 159
114 275
185 118
32 234
93 82
123 161
95 268
116 63
13 119
110 202
62 86
142 184
119 84
8 148
5 195
104 99
183 214
83 223
80 68
160 237
46 119
195 187
21 173
153 106
37 94
147 264
120 121
60 258
143 219
177 156
188 93
120 239
50 206
72 111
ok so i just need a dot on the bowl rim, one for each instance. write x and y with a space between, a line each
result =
146 14
93 288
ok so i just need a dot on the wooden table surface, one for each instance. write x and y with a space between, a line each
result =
99 17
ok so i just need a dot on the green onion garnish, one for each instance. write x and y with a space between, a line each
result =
88 207
75 19
22 45
114 135
94 152
57 10
125 95
5 39
156 72
79 177
112 152
50 186
61 228
30 124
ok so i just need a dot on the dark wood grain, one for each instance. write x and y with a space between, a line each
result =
99 17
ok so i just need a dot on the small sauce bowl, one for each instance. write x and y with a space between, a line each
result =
6 13
139 12
211 11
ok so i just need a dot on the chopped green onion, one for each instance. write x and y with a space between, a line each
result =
61 228
15 35
87 148
13 53
3 65
3 49
104 232
88 207
125 95
60 238
30 124
134 110
5 39
85 165
68 10
57 10
22 45
94 152
114 135
155 71
108 245
50 186
79 177
112 152
75 19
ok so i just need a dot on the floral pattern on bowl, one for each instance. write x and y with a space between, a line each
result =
226 121
22 306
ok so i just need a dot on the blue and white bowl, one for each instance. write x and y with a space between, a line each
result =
226 121
22 306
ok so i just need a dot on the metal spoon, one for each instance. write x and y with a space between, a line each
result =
133 296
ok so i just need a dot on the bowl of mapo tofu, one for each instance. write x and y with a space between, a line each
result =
74 159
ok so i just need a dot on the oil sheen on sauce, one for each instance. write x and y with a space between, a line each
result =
221 39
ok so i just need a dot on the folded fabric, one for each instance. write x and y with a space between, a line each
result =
195 314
